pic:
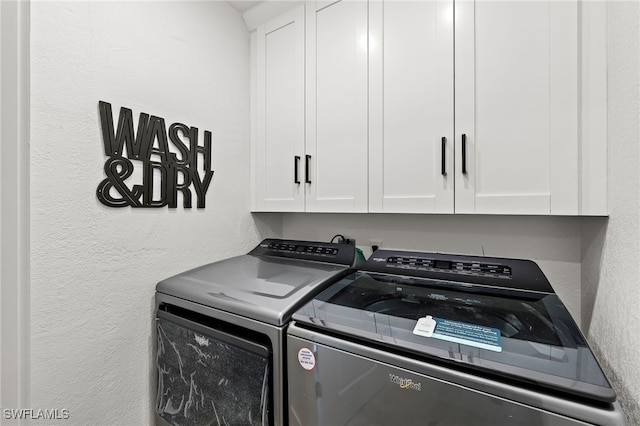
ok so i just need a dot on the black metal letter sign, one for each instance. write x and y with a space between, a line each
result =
177 169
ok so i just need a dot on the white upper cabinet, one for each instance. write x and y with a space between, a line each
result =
279 140
411 107
447 106
516 107
336 106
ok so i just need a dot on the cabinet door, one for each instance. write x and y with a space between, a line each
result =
516 103
278 180
336 101
411 107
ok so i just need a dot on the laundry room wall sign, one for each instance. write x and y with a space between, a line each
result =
168 159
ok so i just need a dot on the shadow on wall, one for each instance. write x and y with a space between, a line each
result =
268 225
594 231
630 406
528 237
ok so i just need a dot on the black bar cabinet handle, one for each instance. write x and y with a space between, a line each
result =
444 157
306 168
464 154
296 166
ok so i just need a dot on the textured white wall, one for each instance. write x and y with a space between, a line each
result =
94 268
611 250
553 242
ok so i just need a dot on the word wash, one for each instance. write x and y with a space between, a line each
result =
150 147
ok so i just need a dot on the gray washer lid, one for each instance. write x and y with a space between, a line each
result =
263 288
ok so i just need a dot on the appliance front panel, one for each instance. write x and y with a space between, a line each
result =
329 386
219 319
207 376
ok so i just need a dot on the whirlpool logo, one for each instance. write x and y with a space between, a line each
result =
405 383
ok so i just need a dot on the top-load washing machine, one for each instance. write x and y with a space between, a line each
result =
220 331
432 339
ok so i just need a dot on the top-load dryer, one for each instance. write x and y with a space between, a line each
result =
424 338
220 331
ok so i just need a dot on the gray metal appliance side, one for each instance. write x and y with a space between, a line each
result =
364 358
275 334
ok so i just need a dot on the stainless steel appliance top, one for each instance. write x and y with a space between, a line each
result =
498 317
268 283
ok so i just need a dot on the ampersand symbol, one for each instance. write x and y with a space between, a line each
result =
118 169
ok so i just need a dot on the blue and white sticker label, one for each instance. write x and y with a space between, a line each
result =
459 332
307 359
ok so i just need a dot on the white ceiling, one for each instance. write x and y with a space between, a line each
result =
242 5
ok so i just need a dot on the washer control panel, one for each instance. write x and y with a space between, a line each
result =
489 271
424 264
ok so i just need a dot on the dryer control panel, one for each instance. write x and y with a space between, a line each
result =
339 253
